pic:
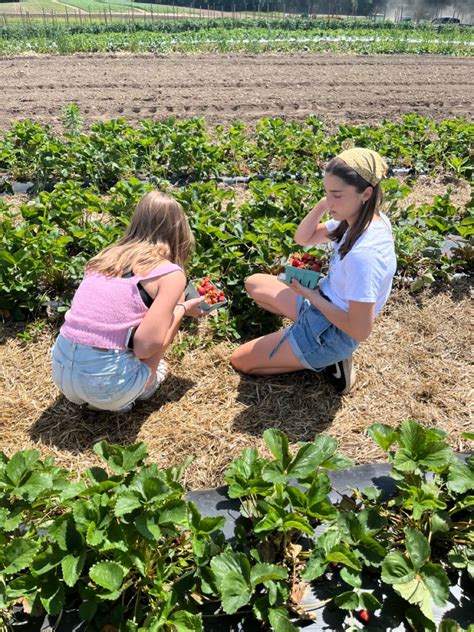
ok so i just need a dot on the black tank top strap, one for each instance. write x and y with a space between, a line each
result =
146 298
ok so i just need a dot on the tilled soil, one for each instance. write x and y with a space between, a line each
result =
222 88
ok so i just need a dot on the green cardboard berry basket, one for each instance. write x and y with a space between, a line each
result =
307 278
191 292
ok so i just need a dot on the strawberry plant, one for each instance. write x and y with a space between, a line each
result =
43 248
124 548
122 545
282 500
412 545
185 151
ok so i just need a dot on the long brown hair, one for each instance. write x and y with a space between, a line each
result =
159 229
339 168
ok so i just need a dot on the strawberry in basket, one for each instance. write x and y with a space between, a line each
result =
212 295
306 261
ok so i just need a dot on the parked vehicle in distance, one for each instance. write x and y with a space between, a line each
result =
445 21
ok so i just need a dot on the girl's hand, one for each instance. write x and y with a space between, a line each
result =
303 291
192 307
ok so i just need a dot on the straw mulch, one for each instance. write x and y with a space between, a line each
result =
415 364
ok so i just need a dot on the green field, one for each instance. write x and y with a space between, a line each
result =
95 6
34 6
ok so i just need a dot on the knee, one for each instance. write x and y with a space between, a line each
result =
237 361
252 283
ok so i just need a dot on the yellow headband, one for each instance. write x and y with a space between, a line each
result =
367 163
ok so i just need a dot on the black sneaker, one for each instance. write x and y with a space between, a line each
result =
341 375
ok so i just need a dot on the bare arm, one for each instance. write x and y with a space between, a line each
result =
152 335
311 231
357 322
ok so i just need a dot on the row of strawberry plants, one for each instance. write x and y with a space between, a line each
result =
185 151
126 549
251 40
45 243
42 29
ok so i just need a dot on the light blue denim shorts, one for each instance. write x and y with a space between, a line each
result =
107 380
315 341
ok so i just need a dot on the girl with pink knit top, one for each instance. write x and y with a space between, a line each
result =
127 310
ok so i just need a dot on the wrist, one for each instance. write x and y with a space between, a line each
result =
315 298
183 306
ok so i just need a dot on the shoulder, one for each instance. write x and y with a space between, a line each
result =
172 283
375 244
378 234
164 268
169 276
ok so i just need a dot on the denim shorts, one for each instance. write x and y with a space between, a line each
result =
106 380
315 341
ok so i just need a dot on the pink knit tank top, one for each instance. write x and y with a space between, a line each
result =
104 308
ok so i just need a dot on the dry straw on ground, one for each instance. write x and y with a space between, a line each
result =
415 364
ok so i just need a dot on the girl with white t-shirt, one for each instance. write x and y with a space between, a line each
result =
331 321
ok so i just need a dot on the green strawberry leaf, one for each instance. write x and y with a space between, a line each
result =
383 435
18 554
460 478
341 554
108 575
396 569
72 566
279 620
262 573
186 621
418 547
416 592
277 442
235 591
437 582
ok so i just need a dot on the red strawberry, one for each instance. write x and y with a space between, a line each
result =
364 615
210 292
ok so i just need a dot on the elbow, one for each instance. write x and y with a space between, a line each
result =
362 334
144 348
298 240
302 242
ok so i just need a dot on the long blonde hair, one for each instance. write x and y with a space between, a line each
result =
159 229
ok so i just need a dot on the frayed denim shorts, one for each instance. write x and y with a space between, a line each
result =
106 380
315 341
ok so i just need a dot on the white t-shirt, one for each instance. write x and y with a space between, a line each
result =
365 274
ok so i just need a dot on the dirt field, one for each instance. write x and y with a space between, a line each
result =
356 89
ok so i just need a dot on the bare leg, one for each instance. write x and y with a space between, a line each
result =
273 295
253 357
